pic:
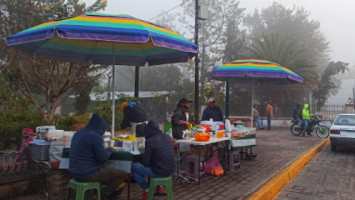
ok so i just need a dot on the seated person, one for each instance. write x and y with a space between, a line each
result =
87 157
132 113
159 159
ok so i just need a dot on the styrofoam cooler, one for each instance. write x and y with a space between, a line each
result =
40 150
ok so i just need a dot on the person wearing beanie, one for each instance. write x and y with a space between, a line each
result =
133 114
268 113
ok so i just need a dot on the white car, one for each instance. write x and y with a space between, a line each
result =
342 132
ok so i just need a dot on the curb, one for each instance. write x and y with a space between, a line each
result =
272 187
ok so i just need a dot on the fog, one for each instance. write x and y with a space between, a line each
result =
336 18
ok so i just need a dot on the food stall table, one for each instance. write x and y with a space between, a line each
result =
192 141
119 160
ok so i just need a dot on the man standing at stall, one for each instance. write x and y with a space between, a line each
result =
87 157
134 117
212 111
159 159
181 118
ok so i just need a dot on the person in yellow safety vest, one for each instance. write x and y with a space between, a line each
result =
306 116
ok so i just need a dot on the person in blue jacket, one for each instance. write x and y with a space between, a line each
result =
159 159
88 155
212 111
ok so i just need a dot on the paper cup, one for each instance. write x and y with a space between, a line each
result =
112 143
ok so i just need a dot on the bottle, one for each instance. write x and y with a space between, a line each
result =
227 125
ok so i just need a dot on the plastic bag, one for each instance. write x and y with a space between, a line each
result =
56 150
214 167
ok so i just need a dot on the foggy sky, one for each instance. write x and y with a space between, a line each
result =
336 18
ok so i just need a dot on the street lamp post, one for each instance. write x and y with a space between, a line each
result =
197 72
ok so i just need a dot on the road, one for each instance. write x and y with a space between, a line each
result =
328 176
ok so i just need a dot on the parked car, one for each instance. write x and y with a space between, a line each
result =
342 131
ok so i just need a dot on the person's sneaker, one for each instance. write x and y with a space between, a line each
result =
303 134
144 195
159 189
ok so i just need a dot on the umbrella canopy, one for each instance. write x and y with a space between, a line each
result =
254 68
250 69
95 38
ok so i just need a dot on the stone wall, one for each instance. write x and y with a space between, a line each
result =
56 181
57 184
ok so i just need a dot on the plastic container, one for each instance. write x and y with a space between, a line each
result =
220 134
202 137
207 127
40 150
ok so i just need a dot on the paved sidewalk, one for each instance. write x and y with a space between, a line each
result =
276 149
329 175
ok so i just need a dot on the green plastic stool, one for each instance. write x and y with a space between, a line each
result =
81 187
160 181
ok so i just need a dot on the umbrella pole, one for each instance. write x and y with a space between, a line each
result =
136 82
252 99
113 91
227 99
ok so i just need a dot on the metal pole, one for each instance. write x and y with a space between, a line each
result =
136 82
227 99
113 91
252 99
197 73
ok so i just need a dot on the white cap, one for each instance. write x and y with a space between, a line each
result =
212 99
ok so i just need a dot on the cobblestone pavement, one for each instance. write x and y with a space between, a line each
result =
276 149
329 175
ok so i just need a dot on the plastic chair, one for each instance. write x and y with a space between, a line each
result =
160 181
81 187
231 161
192 160
167 127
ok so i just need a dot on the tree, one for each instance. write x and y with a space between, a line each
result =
293 24
47 84
286 52
328 81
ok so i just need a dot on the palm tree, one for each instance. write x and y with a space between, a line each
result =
288 53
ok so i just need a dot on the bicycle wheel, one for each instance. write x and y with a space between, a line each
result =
295 130
322 131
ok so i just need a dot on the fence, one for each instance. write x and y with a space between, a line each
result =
331 111
12 163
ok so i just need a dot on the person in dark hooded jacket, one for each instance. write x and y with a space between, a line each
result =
87 157
159 159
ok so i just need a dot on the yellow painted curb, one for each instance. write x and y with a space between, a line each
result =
272 188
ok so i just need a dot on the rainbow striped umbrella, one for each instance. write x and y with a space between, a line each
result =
246 69
95 38
259 69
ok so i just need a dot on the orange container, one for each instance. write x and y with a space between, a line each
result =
202 137
220 134
207 126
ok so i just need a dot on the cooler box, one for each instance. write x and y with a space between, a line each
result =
40 150
248 140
